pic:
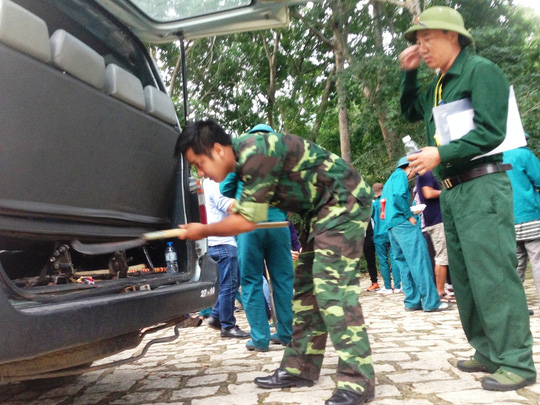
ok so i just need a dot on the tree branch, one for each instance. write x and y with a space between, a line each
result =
315 31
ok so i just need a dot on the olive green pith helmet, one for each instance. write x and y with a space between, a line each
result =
439 18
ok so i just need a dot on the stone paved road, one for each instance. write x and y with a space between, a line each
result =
414 355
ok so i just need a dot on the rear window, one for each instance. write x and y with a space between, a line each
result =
174 10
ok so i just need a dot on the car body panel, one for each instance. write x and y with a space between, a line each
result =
82 160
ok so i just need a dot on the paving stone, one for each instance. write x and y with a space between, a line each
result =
391 356
434 387
242 399
198 392
90 399
251 375
384 368
68 390
386 390
388 401
162 383
414 354
246 388
479 396
207 379
419 375
139 397
301 397
106 387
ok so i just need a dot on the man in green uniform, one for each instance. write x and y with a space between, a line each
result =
296 175
476 203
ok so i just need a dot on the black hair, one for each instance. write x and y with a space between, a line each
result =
463 41
201 137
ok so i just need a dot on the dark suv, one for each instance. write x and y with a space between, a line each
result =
87 134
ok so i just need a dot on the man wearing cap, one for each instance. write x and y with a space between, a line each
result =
257 249
408 246
476 202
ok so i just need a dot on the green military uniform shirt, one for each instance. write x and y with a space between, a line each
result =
294 174
470 77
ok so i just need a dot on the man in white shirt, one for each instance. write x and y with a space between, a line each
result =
223 251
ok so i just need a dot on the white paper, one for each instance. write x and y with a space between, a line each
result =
461 123
456 119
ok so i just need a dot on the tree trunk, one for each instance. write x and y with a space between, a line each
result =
323 105
340 51
271 56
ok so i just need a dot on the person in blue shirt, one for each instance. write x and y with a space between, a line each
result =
382 246
255 249
525 179
407 244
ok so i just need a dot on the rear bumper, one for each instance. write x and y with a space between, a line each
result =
45 328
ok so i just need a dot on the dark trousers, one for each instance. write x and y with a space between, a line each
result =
369 254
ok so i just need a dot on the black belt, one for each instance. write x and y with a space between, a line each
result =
479 171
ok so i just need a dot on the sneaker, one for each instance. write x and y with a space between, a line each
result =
251 347
277 341
443 307
504 380
385 291
373 287
471 366
398 290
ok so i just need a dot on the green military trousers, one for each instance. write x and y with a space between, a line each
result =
479 225
326 300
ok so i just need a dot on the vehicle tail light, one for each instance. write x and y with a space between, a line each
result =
202 201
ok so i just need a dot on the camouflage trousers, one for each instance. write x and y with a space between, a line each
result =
326 301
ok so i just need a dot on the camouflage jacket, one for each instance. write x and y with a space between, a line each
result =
294 174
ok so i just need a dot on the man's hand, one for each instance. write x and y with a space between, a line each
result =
230 226
425 160
412 220
409 59
194 231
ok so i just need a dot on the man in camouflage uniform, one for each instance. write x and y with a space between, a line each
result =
296 175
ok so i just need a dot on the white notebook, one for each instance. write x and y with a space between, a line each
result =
455 119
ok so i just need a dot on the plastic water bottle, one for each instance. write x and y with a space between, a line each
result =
171 258
410 145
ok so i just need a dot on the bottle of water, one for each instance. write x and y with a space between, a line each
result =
171 258
410 145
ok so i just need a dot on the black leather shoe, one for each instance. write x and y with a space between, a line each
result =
214 323
346 397
234 332
282 379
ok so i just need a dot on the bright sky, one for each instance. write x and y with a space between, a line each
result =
534 4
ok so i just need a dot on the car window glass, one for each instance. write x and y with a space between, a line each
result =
174 10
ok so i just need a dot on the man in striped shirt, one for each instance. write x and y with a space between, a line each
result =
525 178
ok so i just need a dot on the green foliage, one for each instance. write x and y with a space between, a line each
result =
229 75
